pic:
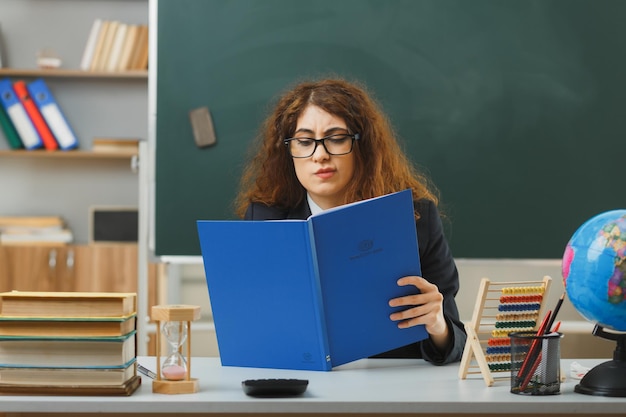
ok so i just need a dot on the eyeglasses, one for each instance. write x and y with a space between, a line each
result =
338 144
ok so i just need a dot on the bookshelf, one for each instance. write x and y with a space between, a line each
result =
72 73
69 183
81 176
77 154
96 104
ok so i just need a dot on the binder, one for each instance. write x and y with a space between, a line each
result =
49 142
52 113
311 294
13 138
22 123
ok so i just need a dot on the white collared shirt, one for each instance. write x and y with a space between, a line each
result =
313 206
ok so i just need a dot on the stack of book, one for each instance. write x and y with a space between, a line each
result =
30 117
68 343
122 146
114 46
35 230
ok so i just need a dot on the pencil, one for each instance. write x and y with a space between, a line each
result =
531 372
533 352
555 312
146 372
533 357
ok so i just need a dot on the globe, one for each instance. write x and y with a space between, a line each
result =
594 274
594 269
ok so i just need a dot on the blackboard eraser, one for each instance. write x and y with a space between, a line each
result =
202 127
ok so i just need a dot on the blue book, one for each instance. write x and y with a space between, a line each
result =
52 114
17 113
311 294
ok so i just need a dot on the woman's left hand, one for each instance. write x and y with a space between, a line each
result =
425 307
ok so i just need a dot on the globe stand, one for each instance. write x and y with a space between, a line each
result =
609 378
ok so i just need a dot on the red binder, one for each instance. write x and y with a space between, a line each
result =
49 142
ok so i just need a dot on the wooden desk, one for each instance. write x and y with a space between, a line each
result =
368 387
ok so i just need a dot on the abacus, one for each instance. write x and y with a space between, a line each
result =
501 308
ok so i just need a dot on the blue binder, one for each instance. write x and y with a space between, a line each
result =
52 114
17 113
311 294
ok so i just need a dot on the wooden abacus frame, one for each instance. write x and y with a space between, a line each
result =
521 305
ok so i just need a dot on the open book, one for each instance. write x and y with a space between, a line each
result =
311 294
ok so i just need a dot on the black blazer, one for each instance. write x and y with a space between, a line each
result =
437 265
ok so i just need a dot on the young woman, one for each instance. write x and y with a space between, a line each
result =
327 143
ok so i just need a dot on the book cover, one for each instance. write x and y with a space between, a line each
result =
17 113
103 60
126 389
32 236
49 142
97 53
142 60
90 46
67 326
127 49
67 376
67 304
126 146
116 47
284 293
67 352
31 221
52 114
13 138
140 51
362 250
263 295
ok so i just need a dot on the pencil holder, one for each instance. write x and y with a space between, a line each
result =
535 363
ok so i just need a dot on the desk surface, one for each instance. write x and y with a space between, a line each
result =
384 386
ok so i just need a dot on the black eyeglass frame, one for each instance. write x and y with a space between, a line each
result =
354 137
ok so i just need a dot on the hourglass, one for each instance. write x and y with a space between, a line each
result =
174 325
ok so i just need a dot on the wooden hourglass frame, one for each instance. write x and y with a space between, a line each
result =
180 314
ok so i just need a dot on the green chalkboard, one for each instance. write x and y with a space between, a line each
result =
515 108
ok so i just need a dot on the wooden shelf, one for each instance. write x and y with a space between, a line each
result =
73 154
72 73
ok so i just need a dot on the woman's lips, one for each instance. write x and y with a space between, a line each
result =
325 173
